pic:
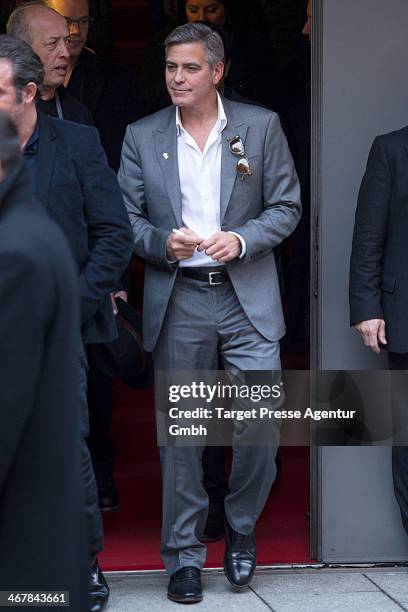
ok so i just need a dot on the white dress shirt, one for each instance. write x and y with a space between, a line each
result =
200 184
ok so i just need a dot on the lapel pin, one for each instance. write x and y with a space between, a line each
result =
166 155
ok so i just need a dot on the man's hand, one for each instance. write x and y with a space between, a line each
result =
117 294
372 333
181 244
221 247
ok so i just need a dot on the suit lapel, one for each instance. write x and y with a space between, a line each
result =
165 141
45 158
235 127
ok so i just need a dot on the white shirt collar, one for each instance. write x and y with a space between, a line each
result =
221 118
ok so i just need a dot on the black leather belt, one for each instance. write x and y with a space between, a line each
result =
212 276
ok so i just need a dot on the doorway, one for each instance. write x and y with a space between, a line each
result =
132 535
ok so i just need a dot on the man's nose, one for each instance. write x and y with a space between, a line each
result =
63 50
179 76
307 29
198 16
74 29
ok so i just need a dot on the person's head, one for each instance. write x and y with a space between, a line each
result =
21 77
215 11
47 33
9 145
194 64
76 13
307 30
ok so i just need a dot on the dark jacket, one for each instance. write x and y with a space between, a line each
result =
81 193
72 109
379 259
42 531
100 36
110 93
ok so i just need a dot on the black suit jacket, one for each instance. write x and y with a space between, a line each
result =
42 530
81 193
100 36
379 259
72 109
111 94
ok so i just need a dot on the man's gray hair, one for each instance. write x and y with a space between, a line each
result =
26 66
9 142
198 32
18 25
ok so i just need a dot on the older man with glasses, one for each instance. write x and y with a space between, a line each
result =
107 89
47 34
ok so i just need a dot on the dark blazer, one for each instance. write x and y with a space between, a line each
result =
100 36
72 109
42 531
379 258
81 193
111 94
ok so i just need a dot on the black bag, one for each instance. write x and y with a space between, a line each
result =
125 358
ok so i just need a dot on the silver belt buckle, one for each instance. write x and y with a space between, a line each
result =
211 281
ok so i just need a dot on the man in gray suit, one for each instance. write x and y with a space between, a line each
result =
210 189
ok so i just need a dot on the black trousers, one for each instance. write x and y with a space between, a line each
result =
92 513
100 441
399 361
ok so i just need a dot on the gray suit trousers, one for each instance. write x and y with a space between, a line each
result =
204 326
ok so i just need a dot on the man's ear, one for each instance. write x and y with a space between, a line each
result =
29 92
218 73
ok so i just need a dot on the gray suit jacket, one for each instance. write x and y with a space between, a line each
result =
264 209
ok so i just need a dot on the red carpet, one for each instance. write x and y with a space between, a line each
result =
132 534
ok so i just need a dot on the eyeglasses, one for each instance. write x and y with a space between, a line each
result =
236 146
80 23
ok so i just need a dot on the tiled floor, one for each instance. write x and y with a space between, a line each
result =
292 590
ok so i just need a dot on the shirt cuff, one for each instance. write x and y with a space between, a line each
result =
243 244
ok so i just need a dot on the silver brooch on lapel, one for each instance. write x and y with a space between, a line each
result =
236 146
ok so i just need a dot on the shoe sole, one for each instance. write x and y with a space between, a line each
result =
237 586
207 539
184 600
109 508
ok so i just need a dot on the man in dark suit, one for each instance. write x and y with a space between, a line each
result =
35 24
70 176
378 278
42 527
109 93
